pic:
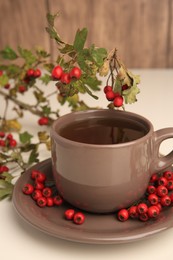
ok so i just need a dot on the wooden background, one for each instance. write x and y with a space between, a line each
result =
141 30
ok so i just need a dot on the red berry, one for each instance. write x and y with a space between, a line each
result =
153 199
3 168
133 212
124 87
47 192
159 206
110 95
36 194
107 88
1 72
57 72
40 177
2 134
79 218
50 202
118 101
69 214
153 212
22 89
7 86
30 73
142 208
37 73
57 200
34 174
171 197
42 202
168 175
2 143
9 136
143 217
169 185
65 78
161 191
43 121
151 189
154 177
28 189
75 73
39 185
165 200
12 143
162 181
123 214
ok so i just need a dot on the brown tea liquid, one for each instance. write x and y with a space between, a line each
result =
103 131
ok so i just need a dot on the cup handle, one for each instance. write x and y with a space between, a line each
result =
162 162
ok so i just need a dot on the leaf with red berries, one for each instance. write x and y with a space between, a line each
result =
130 94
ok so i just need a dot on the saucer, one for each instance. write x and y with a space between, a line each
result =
97 228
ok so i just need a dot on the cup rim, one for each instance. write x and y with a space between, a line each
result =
71 115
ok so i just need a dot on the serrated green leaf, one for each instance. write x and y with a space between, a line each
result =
33 158
13 70
25 137
99 54
46 110
39 95
8 54
27 55
135 78
46 78
80 39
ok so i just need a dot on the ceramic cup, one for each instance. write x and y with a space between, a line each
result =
105 169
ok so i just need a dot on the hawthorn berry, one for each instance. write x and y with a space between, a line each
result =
34 174
75 73
133 212
9 137
169 185
43 121
143 217
38 185
2 143
118 101
40 177
1 72
12 143
69 214
165 200
153 211
50 202
123 214
153 199
37 73
161 191
7 86
162 181
151 189
41 202
30 72
107 88
22 89
65 78
2 134
28 189
57 72
3 168
79 218
142 208
110 95
168 175
47 192
57 200
154 178
124 87
36 194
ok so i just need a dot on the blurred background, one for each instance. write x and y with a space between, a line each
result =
141 30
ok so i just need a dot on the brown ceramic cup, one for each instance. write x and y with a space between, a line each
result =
101 168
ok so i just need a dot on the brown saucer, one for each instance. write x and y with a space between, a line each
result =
97 229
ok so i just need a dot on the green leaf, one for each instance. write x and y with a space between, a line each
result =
6 189
92 82
8 54
39 95
46 78
51 18
25 137
8 177
89 92
3 80
33 158
80 39
99 54
27 55
46 110
13 70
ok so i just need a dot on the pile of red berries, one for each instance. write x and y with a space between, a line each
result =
66 77
159 195
7 140
44 193
115 97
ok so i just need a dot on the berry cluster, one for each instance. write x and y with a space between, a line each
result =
65 77
115 97
7 140
159 194
44 193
